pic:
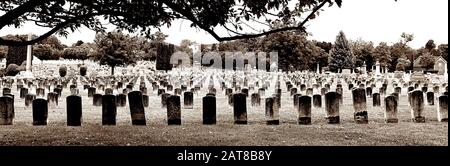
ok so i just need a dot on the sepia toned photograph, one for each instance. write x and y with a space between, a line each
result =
214 73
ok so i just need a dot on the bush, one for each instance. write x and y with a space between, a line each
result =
12 70
83 70
62 71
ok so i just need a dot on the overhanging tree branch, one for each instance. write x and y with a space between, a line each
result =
299 27
55 29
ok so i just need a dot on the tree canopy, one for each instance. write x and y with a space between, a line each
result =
143 16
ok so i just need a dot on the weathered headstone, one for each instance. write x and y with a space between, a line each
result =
317 101
40 112
121 100
209 110
376 100
6 110
272 112
29 99
360 106
52 99
97 100
309 92
109 110
23 92
430 98
164 98
240 108
188 100
173 110
91 91
332 107
417 106
391 106
6 91
304 110
74 110
398 90
443 109
293 91
245 91
161 91
256 99
177 91
109 91
137 110
145 99
424 89
296 98
369 91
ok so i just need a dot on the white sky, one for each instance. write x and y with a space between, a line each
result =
371 20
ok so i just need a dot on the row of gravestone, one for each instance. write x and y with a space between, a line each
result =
273 104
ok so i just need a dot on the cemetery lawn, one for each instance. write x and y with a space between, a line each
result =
225 133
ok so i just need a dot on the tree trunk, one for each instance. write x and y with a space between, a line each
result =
112 70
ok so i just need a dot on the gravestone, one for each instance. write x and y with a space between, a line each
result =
74 110
256 99
443 109
6 110
304 110
410 89
369 91
240 108
143 90
317 101
430 98
340 95
52 99
173 110
188 100
6 91
245 91
436 90
161 91
417 106
109 110
391 106
293 91
177 91
164 98
350 86
424 89
91 91
109 91
323 91
296 98
145 99
262 91
309 92
97 100
332 107
137 110
228 91
376 100
23 92
272 112
398 90
40 112
121 100
169 87
29 99
360 106
209 110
